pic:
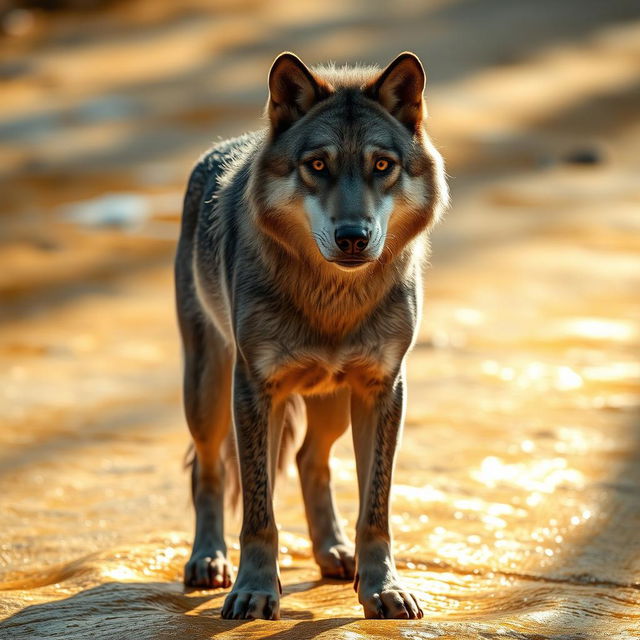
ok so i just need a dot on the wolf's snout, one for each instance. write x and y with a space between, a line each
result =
352 240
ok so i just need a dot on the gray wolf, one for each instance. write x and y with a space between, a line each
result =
299 292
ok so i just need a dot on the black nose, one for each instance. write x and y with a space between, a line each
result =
352 239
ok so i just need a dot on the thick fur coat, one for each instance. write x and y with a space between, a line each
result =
299 289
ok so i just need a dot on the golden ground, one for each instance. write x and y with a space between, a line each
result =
517 495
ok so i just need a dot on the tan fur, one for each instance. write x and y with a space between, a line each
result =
334 303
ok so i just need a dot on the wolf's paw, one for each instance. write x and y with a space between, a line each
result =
338 561
391 603
208 571
246 603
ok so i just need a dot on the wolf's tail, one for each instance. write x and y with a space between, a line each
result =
295 420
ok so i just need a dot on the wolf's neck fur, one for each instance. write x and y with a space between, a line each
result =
333 301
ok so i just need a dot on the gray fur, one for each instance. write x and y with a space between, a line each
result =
267 317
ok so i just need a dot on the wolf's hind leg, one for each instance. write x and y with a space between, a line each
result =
207 400
327 420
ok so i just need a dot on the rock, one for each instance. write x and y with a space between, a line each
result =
587 155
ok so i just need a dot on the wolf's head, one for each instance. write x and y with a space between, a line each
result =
348 176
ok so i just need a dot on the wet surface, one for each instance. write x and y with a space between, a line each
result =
516 504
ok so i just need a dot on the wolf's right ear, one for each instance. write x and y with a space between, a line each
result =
293 90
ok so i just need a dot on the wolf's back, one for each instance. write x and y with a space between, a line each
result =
216 167
207 217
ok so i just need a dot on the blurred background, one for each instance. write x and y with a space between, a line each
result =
516 507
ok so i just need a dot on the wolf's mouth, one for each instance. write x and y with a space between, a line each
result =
351 264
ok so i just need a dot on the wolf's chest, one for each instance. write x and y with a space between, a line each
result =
319 372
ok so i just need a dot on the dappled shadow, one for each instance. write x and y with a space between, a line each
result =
532 149
110 425
120 609
151 611
309 629
174 114
486 33
609 112
101 277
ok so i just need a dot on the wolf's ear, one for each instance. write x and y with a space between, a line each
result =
293 90
399 90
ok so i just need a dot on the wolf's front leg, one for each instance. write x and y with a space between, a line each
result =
376 424
256 592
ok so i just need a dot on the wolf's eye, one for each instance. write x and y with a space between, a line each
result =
318 165
382 165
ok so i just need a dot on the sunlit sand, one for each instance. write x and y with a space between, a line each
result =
516 502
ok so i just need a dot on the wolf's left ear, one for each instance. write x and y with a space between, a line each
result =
399 90
293 90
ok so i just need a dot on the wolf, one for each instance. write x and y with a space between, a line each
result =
299 292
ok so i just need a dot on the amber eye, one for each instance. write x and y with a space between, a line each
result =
317 165
382 164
